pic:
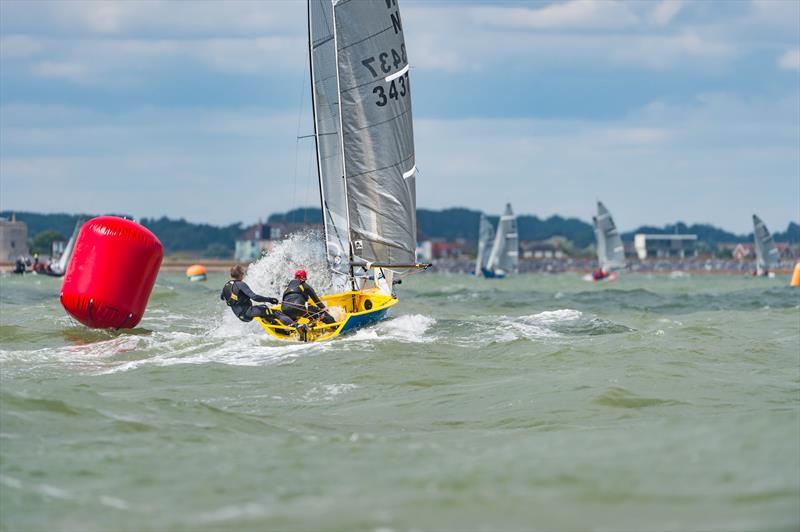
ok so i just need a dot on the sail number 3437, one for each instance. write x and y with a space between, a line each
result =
399 86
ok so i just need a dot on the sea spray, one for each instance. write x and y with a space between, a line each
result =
270 274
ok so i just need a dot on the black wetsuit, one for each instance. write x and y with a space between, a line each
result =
238 296
19 266
294 302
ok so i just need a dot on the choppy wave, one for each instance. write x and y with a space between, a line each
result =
621 395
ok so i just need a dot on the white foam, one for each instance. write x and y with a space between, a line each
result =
328 392
406 328
549 317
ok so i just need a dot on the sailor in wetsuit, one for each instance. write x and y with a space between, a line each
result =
238 296
296 296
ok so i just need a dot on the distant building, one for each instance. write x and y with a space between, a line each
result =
260 238
425 251
439 248
13 239
663 246
556 247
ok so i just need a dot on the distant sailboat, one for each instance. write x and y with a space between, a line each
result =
767 254
361 101
59 268
504 257
610 250
485 237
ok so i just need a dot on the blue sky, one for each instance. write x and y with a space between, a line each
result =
665 110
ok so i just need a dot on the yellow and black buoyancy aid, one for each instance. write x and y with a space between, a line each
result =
235 299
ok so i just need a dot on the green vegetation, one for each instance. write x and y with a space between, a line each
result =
43 241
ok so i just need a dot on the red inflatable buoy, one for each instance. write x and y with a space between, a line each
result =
111 273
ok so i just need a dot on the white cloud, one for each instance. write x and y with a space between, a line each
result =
790 60
568 15
636 136
143 162
499 37
152 161
75 72
19 46
125 18
688 156
124 62
665 11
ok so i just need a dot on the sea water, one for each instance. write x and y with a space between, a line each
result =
536 402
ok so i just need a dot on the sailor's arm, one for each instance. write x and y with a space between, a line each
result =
313 296
255 297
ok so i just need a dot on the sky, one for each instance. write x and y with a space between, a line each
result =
665 110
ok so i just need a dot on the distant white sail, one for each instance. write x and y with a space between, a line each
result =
485 237
504 258
610 250
767 254
60 267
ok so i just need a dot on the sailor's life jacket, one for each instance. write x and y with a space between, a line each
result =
234 298
298 292
238 296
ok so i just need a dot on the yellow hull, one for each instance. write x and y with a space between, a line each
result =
352 310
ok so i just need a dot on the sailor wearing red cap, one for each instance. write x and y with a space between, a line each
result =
298 297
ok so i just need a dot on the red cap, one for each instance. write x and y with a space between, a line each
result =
300 274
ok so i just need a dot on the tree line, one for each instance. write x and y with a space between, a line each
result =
205 240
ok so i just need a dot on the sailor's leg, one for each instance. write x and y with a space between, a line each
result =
283 318
294 312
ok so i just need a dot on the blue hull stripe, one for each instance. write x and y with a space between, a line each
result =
356 322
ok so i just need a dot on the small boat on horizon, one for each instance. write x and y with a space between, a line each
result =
59 267
767 254
610 250
503 258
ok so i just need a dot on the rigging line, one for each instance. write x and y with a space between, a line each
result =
308 187
297 141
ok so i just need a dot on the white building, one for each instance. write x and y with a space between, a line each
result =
661 246
256 241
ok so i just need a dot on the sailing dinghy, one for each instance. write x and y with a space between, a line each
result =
485 238
361 96
59 268
504 257
610 250
767 254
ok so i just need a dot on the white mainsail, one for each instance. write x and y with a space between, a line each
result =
504 258
485 237
610 251
766 252
364 134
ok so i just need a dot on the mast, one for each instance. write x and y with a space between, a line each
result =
316 131
341 144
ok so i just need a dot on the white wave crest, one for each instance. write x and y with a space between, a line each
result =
549 317
406 328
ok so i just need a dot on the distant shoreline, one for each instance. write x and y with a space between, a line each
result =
224 265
